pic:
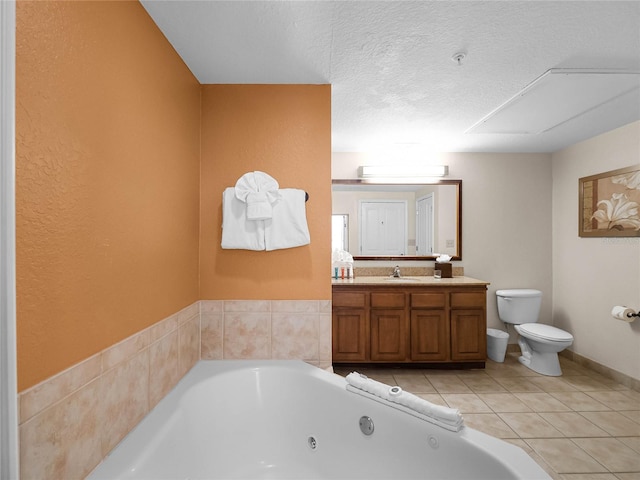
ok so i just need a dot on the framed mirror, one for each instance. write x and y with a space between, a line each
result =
392 221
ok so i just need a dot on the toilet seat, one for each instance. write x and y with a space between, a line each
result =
545 332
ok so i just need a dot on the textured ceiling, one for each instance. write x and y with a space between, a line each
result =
394 83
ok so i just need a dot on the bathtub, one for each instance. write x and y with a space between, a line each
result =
290 420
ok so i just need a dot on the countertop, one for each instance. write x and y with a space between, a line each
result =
409 281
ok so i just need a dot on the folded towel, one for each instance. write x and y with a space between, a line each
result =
259 191
258 207
237 231
446 417
287 228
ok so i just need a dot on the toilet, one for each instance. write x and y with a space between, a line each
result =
539 343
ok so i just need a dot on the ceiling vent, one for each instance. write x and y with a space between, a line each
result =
556 97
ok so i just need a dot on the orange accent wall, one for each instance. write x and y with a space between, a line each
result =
107 187
285 131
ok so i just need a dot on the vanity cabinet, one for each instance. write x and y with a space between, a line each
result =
468 326
350 328
407 324
388 322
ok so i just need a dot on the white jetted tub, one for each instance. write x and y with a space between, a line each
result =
290 420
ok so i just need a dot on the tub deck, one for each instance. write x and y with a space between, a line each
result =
289 420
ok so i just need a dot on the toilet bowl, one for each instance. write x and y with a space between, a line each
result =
538 342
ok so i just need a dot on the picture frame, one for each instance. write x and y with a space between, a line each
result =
609 204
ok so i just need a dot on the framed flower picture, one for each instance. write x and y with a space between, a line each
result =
610 204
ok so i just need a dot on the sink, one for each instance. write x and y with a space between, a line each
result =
403 279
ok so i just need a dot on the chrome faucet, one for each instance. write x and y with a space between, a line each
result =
396 271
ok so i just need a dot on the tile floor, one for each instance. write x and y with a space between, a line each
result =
577 426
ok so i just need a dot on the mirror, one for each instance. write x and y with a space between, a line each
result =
391 221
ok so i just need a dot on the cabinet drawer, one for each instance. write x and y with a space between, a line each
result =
349 299
387 300
428 300
465 300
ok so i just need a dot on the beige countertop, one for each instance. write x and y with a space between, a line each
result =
409 281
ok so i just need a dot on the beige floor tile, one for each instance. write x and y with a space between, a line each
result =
633 395
504 402
615 400
553 384
612 453
474 373
490 424
518 384
572 424
564 456
631 442
614 423
448 384
584 382
628 476
542 402
574 370
414 383
506 372
466 402
433 398
580 401
633 415
612 384
483 384
530 425
588 476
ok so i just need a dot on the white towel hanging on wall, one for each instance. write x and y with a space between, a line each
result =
237 231
288 227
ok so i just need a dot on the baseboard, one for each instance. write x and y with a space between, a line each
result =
610 373
615 375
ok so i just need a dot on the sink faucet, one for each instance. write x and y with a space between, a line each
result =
396 271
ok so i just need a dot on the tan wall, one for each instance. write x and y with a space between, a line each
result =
592 275
285 131
107 185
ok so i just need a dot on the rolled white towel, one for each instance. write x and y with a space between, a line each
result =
446 415
420 405
367 384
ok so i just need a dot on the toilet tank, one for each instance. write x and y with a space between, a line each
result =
519 305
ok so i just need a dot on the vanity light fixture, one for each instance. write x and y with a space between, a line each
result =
402 171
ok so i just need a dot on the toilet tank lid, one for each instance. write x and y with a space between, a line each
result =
519 292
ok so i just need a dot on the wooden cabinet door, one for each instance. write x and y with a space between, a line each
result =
388 335
468 334
349 332
429 335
